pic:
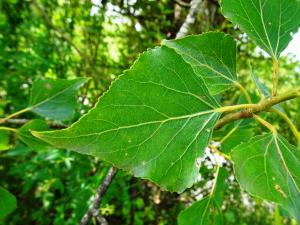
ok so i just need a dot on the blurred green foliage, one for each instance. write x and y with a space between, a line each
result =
98 40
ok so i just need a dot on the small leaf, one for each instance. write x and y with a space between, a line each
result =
54 99
25 135
270 23
208 210
239 132
268 167
4 140
155 121
213 57
263 90
8 203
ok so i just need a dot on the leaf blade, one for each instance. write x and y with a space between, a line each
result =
154 134
268 167
8 203
207 210
268 22
25 135
213 57
54 99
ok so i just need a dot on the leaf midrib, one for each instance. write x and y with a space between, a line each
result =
140 124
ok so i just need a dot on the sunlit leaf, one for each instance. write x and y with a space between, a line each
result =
270 23
155 121
213 57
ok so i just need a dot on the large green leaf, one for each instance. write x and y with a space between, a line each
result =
8 203
208 210
213 57
155 121
268 167
25 135
269 23
54 99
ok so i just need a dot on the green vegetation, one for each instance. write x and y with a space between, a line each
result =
209 121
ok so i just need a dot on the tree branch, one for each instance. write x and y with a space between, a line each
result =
262 106
190 19
94 210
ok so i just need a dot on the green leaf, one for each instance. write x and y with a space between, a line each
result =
208 210
4 140
54 99
25 135
268 167
263 90
270 23
213 57
155 121
8 203
237 133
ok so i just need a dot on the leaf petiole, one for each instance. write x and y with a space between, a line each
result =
265 123
216 150
288 121
2 120
8 129
244 91
275 81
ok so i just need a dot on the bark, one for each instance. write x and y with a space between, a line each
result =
190 19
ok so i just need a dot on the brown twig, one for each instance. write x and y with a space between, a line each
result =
94 210
263 106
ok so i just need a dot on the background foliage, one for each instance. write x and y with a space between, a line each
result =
98 40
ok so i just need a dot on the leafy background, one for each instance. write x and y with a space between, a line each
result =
75 39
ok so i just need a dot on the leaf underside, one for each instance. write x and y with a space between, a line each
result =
155 121
270 23
268 167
